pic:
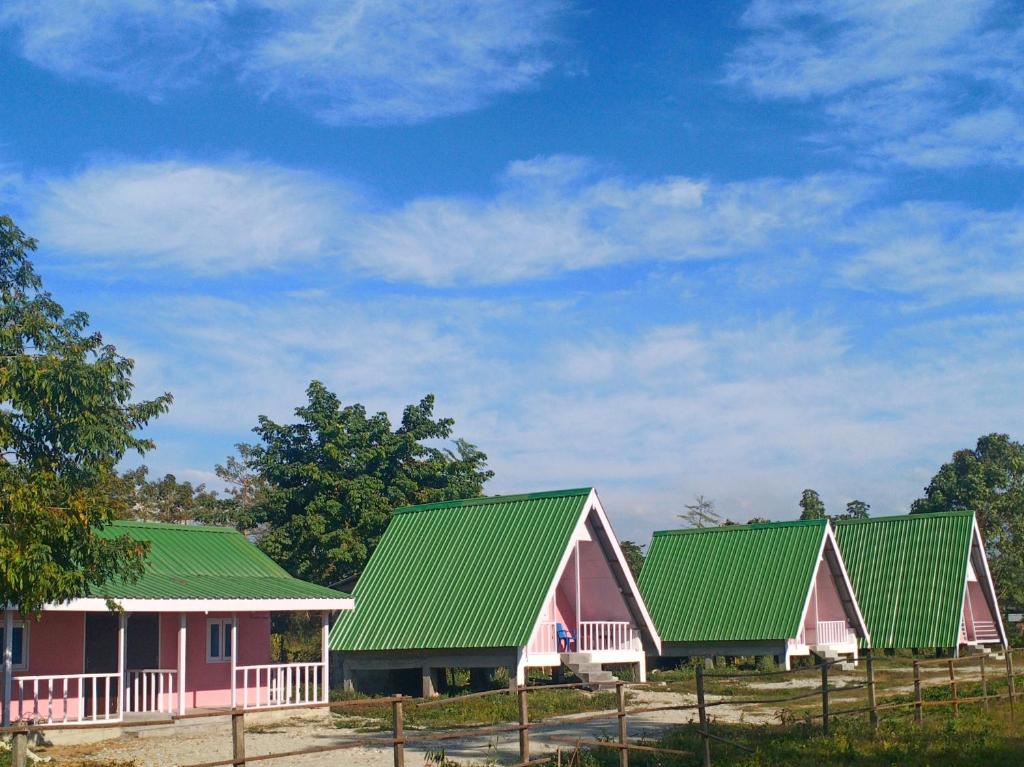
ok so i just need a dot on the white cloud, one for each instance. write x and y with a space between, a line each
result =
920 82
547 216
202 218
552 215
366 61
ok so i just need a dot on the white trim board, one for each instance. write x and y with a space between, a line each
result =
96 605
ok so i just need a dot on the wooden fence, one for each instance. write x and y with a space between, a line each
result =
399 738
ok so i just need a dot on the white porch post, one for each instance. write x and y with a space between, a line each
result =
8 663
122 621
182 624
576 556
325 655
234 659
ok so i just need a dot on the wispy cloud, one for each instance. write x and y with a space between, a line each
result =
367 61
547 216
202 218
919 82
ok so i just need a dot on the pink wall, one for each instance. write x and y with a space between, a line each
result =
56 646
825 603
978 609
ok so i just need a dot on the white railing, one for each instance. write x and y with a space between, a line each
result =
985 631
281 684
151 690
65 699
545 640
606 635
834 632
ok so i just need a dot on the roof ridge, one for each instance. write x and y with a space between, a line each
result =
906 517
755 526
485 500
171 526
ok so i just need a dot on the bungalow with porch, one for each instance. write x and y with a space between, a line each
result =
193 632
923 581
778 589
518 581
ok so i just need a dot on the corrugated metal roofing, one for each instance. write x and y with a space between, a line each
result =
201 562
732 583
471 573
908 573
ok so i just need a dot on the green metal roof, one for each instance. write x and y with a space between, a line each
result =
908 573
471 573
732 583
201 562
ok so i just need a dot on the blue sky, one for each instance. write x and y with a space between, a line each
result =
735 249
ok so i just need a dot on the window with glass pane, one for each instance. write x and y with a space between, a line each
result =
228 628
17 645
214 650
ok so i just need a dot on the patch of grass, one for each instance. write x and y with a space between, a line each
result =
476 711
975 738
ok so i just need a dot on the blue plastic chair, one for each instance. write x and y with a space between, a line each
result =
562 634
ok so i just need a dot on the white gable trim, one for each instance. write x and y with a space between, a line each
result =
986 582
593 503
203 605
830 537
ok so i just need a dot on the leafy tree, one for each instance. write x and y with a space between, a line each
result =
66 420
701 513
166 499
246 491
758 521
634 554
811 505
854 510
332 479
988 480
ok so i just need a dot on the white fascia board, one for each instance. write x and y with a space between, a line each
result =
988 583
203 605
831 536
624 567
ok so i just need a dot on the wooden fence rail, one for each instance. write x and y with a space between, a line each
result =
399 737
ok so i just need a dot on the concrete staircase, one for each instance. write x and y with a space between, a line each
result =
828 653
590 673
995 653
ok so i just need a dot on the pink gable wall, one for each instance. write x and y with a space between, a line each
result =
825 603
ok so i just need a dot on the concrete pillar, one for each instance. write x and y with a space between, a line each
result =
8 663
430 683
234 659
122 650
182 625
641 669
325 656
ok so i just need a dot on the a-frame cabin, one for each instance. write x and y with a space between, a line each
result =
518 581
923 581
778 589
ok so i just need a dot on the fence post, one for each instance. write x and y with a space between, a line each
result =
19 749
824 698
702 712
918 708
237 737
1009 679
620 697
524 727
872 703
399 738
952 690
984 681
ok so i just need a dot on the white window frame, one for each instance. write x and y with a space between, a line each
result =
223 638
23 666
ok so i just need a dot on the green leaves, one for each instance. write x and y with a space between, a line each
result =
988 480
66 419
321 491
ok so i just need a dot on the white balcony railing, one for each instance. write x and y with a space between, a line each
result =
834 632
151 690
281 684
65 699
607 635
545 640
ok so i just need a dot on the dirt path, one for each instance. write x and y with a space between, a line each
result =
180 745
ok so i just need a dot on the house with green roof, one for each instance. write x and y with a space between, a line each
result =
518 581
192 632
923 581
778 589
